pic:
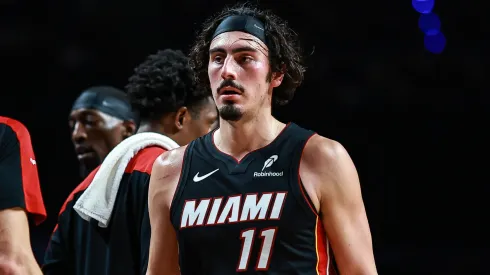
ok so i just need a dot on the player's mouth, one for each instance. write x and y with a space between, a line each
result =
86 155
84 152
228 90
229 93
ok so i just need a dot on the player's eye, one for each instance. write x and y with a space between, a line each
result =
218 59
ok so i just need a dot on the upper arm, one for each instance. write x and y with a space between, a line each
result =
15 246
164 178
19 181
330 170
14 232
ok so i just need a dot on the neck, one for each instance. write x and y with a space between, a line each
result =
151 126
240 138
157 127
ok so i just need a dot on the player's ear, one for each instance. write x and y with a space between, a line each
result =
182 116
277 77
128 128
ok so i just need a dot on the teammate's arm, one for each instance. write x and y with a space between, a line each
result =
16 173
329 170
164 254
16 255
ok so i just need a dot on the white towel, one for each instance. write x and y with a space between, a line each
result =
98 199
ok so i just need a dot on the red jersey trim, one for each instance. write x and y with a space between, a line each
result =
142 162
30 178
323 259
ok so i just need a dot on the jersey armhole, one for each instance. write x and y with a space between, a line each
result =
179 189
303 197
329 264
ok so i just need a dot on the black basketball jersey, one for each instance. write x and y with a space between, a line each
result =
250 216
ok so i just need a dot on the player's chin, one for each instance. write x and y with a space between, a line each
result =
230 104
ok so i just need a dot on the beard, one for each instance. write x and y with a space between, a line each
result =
88 165
230 112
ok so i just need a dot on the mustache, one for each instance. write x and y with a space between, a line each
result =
230 83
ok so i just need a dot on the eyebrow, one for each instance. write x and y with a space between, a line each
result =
84 112
235 50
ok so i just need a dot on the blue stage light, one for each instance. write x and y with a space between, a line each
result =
430 23
423 6
435 43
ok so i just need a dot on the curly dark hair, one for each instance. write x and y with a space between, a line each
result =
285 54
162 84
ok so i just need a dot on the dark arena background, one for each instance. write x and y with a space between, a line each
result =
401 84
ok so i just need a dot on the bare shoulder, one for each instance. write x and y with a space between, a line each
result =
169 161
326 167
321 152
165 176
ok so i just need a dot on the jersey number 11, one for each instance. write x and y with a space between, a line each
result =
268 235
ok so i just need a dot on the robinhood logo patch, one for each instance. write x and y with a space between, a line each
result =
268 163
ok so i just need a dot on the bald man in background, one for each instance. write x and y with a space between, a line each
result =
163 93
100 119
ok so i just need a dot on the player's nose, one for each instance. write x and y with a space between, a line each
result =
228 70
78 134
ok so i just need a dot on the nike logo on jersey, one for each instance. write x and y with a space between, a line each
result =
198 178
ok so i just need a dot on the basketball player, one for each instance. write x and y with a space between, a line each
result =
20 194
100 119
163 93
255 196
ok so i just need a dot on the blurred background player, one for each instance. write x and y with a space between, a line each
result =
21 201
164 96
100 119
162 93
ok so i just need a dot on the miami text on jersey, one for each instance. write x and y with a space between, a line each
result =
237 208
